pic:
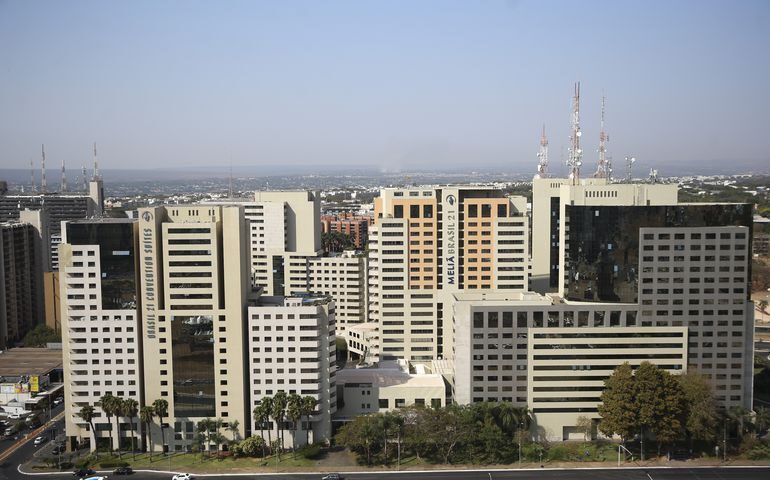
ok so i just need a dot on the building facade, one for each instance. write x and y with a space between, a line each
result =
344 277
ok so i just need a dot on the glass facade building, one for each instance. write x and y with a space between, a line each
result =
116 256
192 339
602 252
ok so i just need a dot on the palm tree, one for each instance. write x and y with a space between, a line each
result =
108 405
146 415
118 406
262 417
762 305
308 407
160 407
87 414
512 418
130 410
232 427
294 413
278 412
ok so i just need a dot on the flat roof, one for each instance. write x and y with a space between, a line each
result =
389 377
29 361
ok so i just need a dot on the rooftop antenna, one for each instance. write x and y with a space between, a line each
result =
603 166
653 175
575 152
630 161
42 168
231 178
31 176
96 165
542 156
63 177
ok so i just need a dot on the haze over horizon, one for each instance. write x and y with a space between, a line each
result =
391 85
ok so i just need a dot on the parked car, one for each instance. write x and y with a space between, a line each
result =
39 441
182 476
82 472
58 401
123 471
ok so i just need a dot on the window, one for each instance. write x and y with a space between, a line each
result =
384 403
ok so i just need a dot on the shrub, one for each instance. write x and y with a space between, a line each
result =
311 452
113 464
558 453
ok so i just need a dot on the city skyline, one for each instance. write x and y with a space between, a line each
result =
393 86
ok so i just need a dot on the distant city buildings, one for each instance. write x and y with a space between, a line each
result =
356 227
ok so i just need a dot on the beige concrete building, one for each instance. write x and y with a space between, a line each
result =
661 283
101 338
194 286
388 386
344 277
430 242
292 348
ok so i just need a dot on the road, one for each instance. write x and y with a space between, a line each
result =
727 473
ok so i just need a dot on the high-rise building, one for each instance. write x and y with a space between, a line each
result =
637 280
344 277
58 207
292 349
430 242
101 339
194 286
21 300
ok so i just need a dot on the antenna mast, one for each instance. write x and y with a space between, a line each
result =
575 152
630 160
63 177
85 179
603 168
96 165
542 156
32 176
42 168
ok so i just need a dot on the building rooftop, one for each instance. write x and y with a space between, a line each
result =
29 361
390 374
307 299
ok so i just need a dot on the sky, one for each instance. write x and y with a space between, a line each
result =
390 85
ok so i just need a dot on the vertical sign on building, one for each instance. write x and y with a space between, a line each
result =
451 239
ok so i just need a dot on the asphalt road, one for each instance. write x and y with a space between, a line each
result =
726 473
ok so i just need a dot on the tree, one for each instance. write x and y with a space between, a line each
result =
252 446
763 420
204 429
740 418
233 427
40 336
585 425
131 410
109 406
262 414
701 416
308 407
360 435
279 412
160 407
512 419
619 407
450 426
146 415
762 305
336 241
87 414
294 413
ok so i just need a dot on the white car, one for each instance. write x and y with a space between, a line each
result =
39 441
94 478
182 476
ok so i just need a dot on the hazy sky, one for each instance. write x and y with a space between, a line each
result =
388 84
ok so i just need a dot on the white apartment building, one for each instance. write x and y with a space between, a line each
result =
101 338
292 348
344 277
